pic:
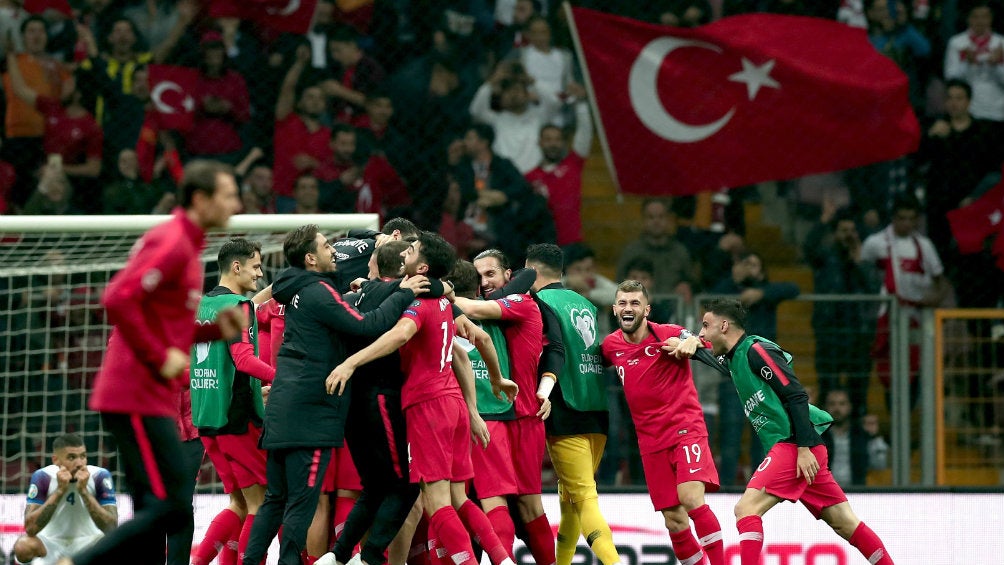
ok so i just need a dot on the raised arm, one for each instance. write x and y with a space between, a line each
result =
242 352
383 346
286 102
480 309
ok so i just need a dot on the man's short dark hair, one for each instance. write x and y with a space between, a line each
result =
406 227
298 243
465 279
575 252
498 255
344 34
237 249
437 253
905 201
35 18
484 132
844 214
838 390
666 203
643 264
389 258
731 309
341 128
959 83
548 256
200 176
632 285
67 440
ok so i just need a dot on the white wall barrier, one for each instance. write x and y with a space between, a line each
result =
918 529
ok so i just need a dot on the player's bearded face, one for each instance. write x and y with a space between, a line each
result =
631 310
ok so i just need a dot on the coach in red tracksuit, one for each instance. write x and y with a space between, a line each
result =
151 304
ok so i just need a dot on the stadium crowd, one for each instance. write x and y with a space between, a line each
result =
470 118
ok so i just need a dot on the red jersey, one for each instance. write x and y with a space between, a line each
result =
186 429
215 134
562 186
425 359
75 139
291 139
659 388
271 325
524 335
151 304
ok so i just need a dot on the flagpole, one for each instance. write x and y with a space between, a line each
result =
607 155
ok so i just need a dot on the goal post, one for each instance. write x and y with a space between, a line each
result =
53 331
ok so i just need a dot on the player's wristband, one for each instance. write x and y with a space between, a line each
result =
546 384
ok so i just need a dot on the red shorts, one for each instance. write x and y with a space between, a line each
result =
494 474
237 459
777 474
526 438
684 462
341 472
439 440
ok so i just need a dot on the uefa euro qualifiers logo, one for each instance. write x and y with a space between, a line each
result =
584 323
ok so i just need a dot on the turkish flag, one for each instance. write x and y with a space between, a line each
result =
292 16
171 89
973 224
745 99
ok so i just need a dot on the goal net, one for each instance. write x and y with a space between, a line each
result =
53 330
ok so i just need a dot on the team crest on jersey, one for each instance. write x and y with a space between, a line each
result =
515 297
151 279
33 491
107 483
416 303
585 325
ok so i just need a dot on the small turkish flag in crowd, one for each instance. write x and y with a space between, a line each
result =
973 224
171 89
291 16
745 99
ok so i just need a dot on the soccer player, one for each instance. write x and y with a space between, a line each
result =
494 470
672 436
577 428
353 253
520 318
152 303
227 406
795 467
437 419
317 318
70 505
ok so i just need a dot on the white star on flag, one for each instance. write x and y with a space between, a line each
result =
755 76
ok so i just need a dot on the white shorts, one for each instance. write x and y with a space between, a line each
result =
59 549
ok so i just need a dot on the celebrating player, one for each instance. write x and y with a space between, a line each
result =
672 436
795 467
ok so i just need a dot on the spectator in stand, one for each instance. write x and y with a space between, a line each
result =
453 228
977 57
851 450
341 172
378 135
306 194
550 67
155 19
760 298
674 270
842 329
558 177
54 195
110 68
496 201
964 154
520 117
128 194
683 13
355 75
912 272
301 141
256 186
892 34
642 269
852 13
513 34
222 105
24 125
70 132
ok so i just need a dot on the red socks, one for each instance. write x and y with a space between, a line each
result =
869 544
750 539
225 526
420 548
709 534
481 530
503 526
242 542
686 548
541 540
446 527
343 505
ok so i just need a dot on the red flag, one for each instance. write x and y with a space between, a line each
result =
292 16
973 224
745 99
171 91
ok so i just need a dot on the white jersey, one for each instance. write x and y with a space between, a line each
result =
71 520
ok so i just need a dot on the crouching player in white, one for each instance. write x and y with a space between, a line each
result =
70 505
